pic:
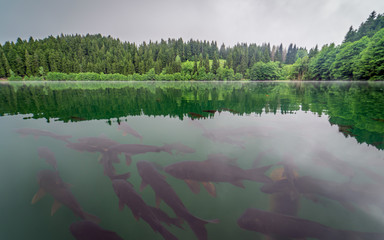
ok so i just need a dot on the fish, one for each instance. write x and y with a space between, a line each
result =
126 129
87 230
196 115
324 158
48 155
163 217
130 198
37 133
133 149
81 147
164 191
210 111
50 182
179 148
216 168
280 225
290 173
282 202
107 160
77 119
101 142
347 194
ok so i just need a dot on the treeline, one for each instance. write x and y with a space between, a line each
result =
359 57
94 57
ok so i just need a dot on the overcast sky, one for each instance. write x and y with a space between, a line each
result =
303 22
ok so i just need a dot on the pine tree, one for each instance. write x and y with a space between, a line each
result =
206 64
215 63
28 64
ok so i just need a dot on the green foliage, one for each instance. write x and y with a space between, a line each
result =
84 57
371 63
320 65
345 61
265 71
370 27
14 76
299 70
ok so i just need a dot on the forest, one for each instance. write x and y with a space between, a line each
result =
95 57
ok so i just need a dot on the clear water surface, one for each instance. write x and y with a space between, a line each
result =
326 134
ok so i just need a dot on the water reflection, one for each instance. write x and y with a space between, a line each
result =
285 175
356 108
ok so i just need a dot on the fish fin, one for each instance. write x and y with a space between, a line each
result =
238 184
210 188
128 159
158 201
56 205
40 193
143 185
137 217
100 158
193 185
257 174
121 205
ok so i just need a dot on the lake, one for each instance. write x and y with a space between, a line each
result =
256 159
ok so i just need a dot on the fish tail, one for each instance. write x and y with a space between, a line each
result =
258 174
167 235
167 148
198 226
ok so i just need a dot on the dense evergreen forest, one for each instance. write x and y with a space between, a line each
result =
95 57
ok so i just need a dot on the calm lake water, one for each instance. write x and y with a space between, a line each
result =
264 150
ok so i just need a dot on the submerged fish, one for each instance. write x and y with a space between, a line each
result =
48 155
50 182
77 119
164 191
102 142
215 169
123 126
195 115
78 146
129 197
179 148
37 133
210 111
345 193
87 230
280 225
133 149
325 158
107 160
